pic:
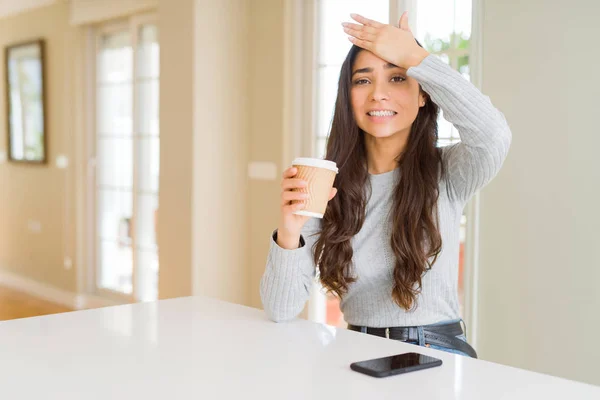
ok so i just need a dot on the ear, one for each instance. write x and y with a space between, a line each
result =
422 99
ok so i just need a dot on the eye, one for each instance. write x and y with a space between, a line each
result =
398 78
361 81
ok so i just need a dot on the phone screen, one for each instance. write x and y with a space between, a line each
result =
396 364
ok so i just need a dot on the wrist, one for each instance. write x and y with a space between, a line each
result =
287 240
416 57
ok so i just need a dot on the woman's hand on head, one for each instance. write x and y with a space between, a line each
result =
394 45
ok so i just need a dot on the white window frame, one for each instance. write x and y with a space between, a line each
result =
472 246
299 111
88 283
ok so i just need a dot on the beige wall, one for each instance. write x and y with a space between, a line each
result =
176 32
41 193
266 124
203 223
221 140
539 298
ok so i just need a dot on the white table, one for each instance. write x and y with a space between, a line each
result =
198 348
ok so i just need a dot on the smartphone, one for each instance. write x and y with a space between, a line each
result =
394 365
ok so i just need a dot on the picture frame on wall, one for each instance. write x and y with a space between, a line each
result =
24 66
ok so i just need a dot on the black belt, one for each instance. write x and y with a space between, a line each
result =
437 335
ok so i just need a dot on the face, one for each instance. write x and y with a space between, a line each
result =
385 101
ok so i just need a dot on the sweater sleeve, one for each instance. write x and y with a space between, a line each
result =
484 133
287 280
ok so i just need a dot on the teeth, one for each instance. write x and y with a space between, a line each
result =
381 113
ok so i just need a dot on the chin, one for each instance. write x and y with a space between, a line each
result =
381 132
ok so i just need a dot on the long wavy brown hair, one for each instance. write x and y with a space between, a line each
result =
415 238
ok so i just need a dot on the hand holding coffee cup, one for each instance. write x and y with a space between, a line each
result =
319 175
307 187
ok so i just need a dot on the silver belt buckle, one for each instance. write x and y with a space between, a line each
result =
387 333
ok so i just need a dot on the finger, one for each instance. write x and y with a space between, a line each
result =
404 22
289 183
290 172
290 208
364 28
360 34
290 196
366 21
333 193
360 43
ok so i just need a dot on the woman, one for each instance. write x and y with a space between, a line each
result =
388 243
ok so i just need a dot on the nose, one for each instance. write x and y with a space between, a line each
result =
379 92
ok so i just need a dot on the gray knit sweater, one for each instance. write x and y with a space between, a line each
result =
470 164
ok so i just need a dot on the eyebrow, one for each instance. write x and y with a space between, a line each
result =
369 69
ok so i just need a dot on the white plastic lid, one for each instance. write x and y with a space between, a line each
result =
316 162
308 213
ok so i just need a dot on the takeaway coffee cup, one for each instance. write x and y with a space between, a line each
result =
320 175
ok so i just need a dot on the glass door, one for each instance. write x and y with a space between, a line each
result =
127 159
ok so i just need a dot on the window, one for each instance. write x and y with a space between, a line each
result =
448 38
443 27
127 159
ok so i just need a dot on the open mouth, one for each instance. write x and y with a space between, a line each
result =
381 116
382 113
